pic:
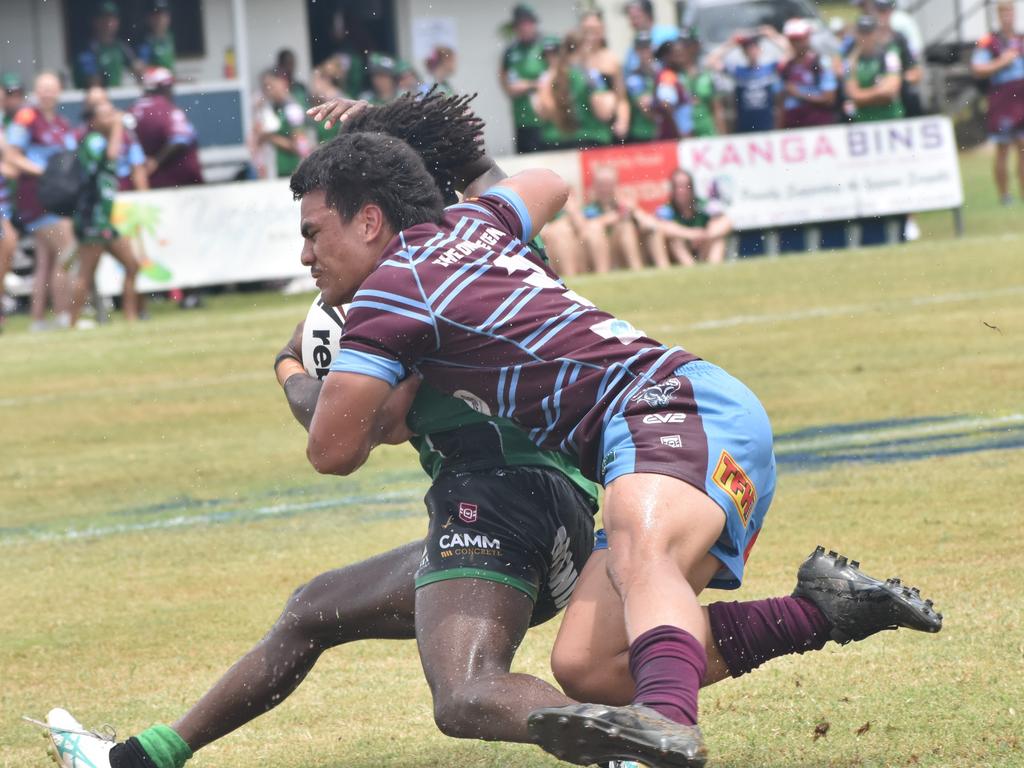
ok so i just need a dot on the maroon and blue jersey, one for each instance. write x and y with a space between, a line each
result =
1006 92
484 319
812 76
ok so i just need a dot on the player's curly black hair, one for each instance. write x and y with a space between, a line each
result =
358 168
442 129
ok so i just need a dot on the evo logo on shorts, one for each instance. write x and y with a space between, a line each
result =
730 477
664 418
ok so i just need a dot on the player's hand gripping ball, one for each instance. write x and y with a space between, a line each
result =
321 337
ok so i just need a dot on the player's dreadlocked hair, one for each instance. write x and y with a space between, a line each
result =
442 129
359 168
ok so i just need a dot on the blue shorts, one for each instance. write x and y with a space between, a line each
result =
44 221
706 428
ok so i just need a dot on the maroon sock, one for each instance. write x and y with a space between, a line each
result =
749 634
667 664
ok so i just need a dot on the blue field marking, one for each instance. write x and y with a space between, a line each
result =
896 440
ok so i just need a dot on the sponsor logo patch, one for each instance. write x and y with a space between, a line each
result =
613 328
664 418
469 544
672 441
730 477
658 395
467 512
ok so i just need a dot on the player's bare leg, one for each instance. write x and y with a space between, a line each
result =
88 258
121 249
626 245
680 252
53 245
8 242
564 247
1020 166
370 599
1001 170
598 246
590 658
468 631
657 249
660 530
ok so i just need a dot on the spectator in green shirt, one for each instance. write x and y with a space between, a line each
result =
521 67
14 97
567 103
98 153
157 50
108 59
283 124
286 65
708 115
640 85
383 80
874 75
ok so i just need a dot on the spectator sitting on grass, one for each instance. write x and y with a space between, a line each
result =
694 228
610 231
873 76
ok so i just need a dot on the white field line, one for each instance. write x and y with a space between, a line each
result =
855 309
852 439
213 518
141 390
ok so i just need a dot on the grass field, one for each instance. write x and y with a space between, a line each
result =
156 509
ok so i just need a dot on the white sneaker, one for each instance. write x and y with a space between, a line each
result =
72 746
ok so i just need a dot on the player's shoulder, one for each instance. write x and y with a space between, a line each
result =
26 116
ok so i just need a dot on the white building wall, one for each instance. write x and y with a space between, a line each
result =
32 37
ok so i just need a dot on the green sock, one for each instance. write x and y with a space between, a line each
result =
164 746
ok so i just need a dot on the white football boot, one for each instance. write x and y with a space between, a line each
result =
72 746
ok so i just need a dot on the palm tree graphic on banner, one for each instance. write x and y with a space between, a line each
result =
135 221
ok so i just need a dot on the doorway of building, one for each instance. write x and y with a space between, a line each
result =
353 29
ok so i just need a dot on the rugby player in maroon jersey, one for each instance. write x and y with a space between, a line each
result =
683 450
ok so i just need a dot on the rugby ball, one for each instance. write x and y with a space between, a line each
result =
321 337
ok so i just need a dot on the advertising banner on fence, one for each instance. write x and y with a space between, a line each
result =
207 235
643 171
831 173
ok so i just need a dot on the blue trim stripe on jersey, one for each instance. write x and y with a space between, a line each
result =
558 328
357 361
490 321
393 310
512 197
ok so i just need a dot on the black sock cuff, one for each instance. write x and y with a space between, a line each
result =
130 754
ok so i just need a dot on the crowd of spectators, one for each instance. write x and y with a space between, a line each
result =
569 91
573 91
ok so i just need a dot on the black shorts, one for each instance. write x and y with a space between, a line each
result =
528 527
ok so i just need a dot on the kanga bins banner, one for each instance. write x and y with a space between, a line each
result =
831 173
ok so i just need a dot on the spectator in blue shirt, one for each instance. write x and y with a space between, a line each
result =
641 18
758 84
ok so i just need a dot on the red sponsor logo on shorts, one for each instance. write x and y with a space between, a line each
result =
467 512
730 477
